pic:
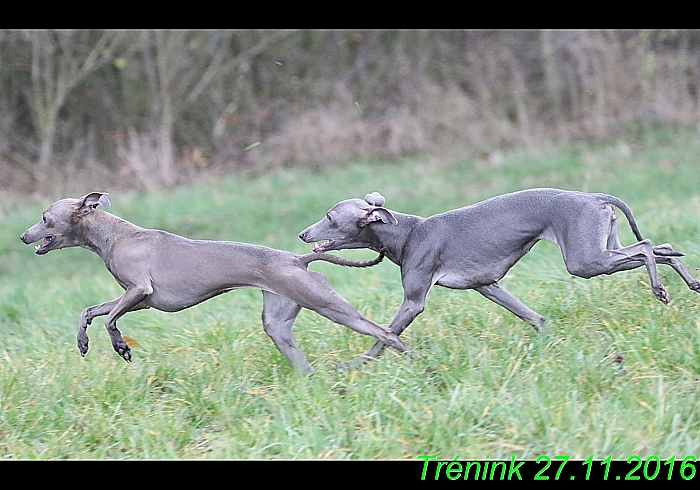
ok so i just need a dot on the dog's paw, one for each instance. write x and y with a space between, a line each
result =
123 350
352 364
126 354
82 343
666 250
661 294
393 340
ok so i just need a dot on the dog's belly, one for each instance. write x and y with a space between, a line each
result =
461 281
171 301
473 270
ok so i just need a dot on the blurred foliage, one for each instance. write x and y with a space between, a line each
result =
152 109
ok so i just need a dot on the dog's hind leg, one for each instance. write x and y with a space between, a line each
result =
590 247
663 254
587 263
313 291
677 266
498 294
278 317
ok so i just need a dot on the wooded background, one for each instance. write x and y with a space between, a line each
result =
153 109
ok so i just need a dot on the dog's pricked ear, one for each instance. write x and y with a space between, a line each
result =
379 214
375 199
89 202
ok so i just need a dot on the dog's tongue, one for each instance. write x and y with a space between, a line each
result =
41 248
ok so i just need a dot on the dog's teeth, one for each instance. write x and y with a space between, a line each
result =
36 247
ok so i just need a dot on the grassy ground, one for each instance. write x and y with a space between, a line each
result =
616 373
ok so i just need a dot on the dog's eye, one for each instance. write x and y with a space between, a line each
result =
43 218
329 217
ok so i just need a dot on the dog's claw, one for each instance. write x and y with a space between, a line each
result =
123 350
661 294
392 340
126 354
353 364
82 344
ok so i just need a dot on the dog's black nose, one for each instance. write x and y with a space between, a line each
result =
302 234
22 237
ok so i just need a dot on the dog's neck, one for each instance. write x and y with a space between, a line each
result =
99 231
392 238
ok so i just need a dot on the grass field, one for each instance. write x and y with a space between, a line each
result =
617 373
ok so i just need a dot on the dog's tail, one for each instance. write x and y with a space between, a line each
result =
334 259
619 203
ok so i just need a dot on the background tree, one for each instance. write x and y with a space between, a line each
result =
157 108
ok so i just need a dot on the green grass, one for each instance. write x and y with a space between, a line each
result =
616 373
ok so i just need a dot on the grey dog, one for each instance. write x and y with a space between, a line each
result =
473 247
170 273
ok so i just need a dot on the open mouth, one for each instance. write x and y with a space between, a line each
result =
322 247
42 249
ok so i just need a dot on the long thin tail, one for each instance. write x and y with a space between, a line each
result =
619 203
334 259
664 250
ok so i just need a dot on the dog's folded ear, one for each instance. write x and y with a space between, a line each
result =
379 214
89 202
375 199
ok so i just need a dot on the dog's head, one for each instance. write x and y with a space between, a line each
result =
346 224
59 224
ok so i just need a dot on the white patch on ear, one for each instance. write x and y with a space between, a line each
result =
373 216
103 201
382 214
89 202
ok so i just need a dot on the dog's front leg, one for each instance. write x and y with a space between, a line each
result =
92 312
415 293
129 301
86 318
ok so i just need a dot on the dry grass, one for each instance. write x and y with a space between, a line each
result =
616 374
